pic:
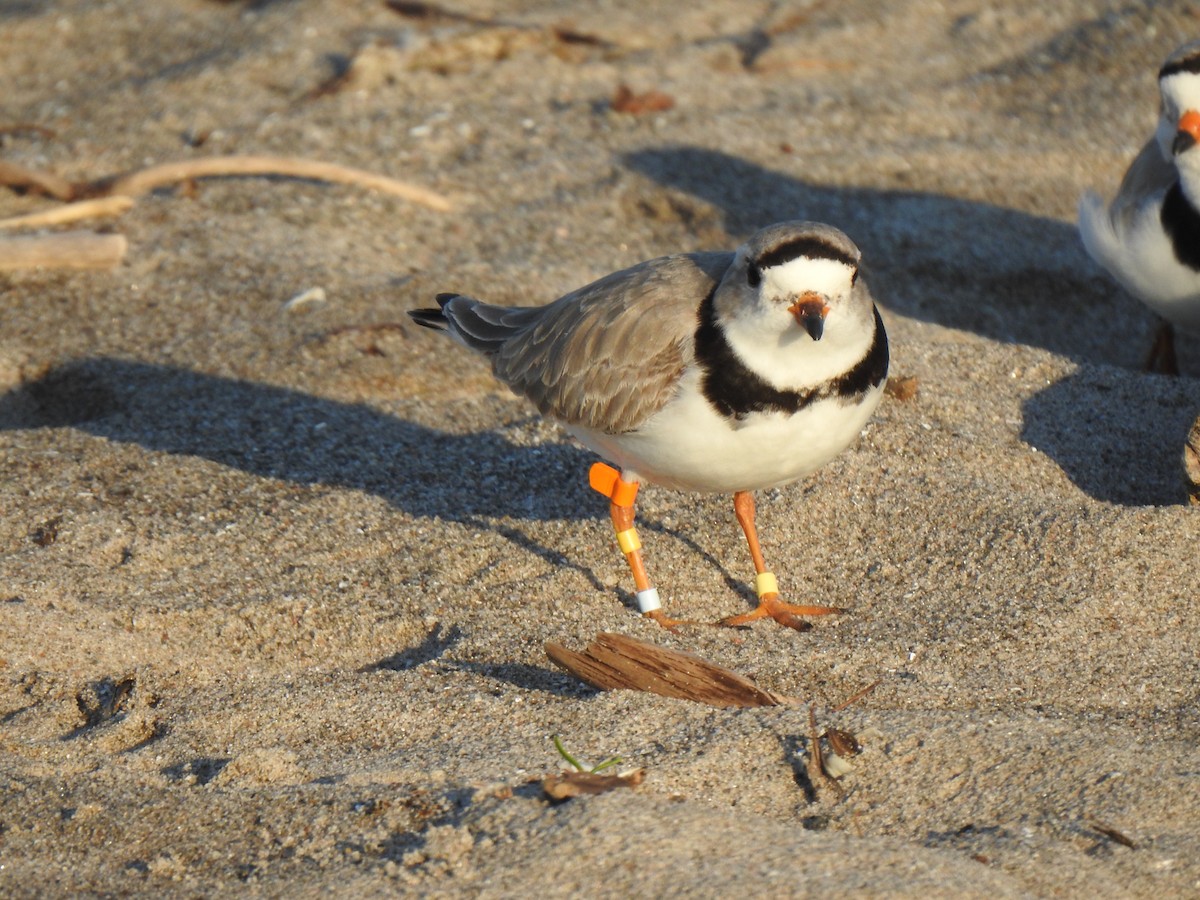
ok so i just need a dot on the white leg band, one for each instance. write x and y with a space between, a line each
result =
648 601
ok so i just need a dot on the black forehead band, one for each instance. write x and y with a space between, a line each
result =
812 247
1190 64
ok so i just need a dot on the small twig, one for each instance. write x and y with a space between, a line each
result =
1114 835
854 698
67 250
72 212
135 184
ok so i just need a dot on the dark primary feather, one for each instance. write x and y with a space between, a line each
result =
433 318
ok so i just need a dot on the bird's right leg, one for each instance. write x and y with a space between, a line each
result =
621 494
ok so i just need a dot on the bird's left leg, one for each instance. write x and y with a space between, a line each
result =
765 584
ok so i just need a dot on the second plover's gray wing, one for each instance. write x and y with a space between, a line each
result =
1104 227
1149 174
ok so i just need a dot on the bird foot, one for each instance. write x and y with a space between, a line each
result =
788 614
666 621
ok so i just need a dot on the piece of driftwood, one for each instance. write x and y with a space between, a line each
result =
577 784
18 176
72 212
618 662
1191 463
65 250
135 184
142 181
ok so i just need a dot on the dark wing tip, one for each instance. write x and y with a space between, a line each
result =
434 318
430 318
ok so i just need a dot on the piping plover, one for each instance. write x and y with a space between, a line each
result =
715 372
1149 236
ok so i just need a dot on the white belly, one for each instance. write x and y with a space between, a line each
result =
688 446
1144 262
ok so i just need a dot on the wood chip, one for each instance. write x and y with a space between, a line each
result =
616 662
626 101
68 250
577 784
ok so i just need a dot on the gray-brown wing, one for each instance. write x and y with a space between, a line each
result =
609 355
1147 175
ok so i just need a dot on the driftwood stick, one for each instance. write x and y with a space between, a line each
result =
27 128
143 181
617 662
66 250
72 212
14 175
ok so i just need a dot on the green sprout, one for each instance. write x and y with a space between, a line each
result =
580 767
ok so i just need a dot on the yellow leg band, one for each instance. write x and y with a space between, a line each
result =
765 583
628 540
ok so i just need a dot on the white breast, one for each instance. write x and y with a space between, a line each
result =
688 445
1142 259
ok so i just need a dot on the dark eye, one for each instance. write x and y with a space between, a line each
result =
753 276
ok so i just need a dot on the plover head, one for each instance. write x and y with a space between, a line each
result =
791 304
1179 88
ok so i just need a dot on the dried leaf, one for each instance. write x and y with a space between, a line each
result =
901 387
577 784
617 662
843 742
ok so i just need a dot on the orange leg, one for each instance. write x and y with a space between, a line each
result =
621 494
769 603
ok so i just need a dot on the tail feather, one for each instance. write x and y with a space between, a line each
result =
434 318
479 326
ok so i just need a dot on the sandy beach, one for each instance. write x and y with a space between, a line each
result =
277 566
